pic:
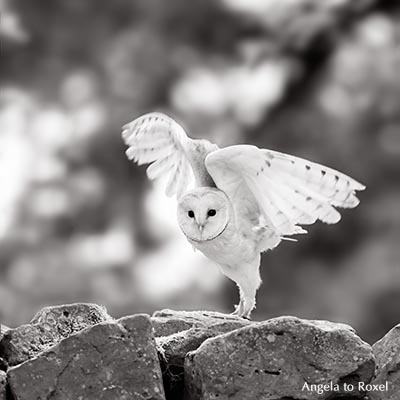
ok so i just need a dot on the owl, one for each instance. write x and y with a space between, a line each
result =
237 202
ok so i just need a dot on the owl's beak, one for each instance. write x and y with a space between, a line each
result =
200 224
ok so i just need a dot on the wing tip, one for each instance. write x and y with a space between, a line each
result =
334 219
356 202
130 153
359 186
126 134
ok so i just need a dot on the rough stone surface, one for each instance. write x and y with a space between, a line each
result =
111 360
3 362
387 356
273 360
180 332
47 328
3 330
3 384
78 351
168 322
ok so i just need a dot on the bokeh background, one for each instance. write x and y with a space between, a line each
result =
79 222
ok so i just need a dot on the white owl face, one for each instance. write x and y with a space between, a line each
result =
203 213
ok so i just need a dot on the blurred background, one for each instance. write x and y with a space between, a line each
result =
79 222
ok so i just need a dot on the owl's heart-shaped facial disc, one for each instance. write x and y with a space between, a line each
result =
203 213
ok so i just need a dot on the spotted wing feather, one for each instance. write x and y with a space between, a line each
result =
288 191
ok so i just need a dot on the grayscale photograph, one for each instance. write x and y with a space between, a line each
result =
200 200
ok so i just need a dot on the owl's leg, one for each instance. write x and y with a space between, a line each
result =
248 280
248 295
239 307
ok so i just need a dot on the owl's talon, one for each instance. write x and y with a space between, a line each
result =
236 311
239 309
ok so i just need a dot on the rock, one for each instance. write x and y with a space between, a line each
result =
70 318
166 327
180 332
3 330
3 362
275 358
3 385
168 322
387 356
111 360
47 328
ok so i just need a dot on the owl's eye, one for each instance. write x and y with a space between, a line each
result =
191 214
211 212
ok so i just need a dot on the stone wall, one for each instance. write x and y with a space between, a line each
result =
78 351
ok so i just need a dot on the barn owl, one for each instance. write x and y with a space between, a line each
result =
243 201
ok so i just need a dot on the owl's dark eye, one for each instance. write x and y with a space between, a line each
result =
211 212
191 214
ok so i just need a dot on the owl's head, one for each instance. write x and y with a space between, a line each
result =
203 213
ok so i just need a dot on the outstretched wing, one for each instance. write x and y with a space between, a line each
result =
157 139
287 190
